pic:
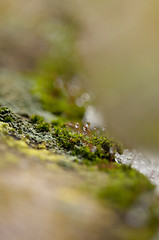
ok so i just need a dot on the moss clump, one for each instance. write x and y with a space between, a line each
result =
20 131
36 119
75 139
85 145
60 122
40 124
8 119
5 115
4 110
43 127
57 80
125 185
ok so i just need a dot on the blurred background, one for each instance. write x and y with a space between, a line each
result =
82 54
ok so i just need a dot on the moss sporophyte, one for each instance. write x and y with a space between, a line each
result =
73 138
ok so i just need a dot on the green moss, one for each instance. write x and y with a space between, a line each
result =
57 80
125 185
43 127
60 122
20 131
72 138
58 100
5 115
36 119
4 110
8 119
84 146
40 124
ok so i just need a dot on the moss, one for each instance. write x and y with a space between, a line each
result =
72 138
60 122
57 80
62 105
4 110
125 185
20 131
43 127
8 119
84 146
117 186
36 119
5 115
5 128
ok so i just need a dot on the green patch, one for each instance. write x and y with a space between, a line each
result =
125 185
4 110
43 127
8 119
59 122
84 143
57 81
85 147
40 124
36 119
5 115
75 139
